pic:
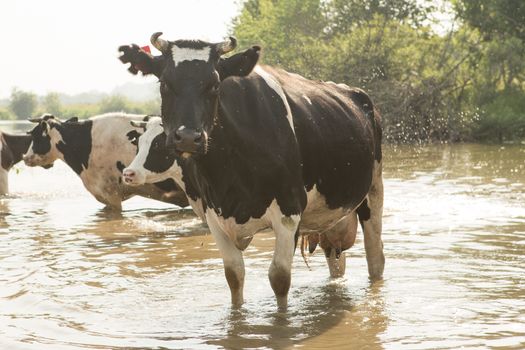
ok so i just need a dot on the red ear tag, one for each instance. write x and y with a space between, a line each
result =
146 48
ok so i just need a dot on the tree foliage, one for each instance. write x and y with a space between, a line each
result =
428 86
23 104
52 104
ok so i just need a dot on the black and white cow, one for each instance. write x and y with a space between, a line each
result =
12 148
97 149
154 162
263 148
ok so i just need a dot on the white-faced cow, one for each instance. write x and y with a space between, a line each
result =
97 149
260 147
12 148
154 162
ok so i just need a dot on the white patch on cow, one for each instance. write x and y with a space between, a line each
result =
143 175
317 216
109 145
181 54
274 85
242 234
182 127
307 99
372 228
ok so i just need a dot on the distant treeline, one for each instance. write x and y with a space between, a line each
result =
461 83
23 104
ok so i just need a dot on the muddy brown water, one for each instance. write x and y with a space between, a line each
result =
75 277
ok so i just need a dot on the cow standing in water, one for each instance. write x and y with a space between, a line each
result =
12 148
97 149
260 147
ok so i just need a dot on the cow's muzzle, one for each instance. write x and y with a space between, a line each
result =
187 140
132 178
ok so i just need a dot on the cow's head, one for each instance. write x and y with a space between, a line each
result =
190 74
153 162
45 135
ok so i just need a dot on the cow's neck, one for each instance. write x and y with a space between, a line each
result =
75 146
14 148
223 179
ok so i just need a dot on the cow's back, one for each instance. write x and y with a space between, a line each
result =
339 136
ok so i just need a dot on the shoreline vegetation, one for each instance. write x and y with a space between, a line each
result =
446 71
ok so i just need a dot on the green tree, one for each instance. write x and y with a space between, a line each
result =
52 104
6 115
114 103
22 104
494 18
384 47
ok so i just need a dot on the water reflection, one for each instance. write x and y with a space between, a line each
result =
75 276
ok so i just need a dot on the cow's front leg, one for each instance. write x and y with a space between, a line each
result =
280 272
232 260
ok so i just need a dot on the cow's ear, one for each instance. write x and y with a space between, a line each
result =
141 61
240 64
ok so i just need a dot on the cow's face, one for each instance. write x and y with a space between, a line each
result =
189 87
153 160
45 135
190 73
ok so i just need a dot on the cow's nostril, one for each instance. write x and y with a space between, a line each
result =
129 173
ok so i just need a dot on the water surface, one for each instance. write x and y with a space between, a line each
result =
75 277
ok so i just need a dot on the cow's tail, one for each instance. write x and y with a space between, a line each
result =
363 100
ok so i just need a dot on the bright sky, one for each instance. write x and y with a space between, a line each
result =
71 46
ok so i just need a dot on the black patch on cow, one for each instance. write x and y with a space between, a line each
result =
13 148
253 157
191 44
337 130
41 140
120 166
159 159
363 211
76 144
133 136
167 185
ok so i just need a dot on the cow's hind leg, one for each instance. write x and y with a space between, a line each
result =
232 260
370 214
280 272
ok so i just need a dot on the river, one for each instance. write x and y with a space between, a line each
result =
75 277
